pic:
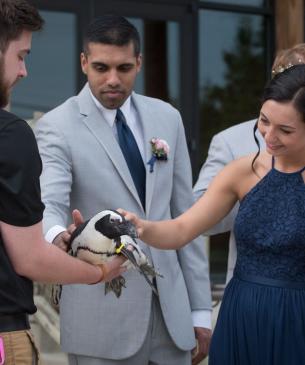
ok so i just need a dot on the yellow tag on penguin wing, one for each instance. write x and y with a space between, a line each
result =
119 249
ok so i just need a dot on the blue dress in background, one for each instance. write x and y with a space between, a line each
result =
262 316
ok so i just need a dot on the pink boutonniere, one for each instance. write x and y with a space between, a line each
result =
160 151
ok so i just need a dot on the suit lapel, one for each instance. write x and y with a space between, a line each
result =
101 130
147 120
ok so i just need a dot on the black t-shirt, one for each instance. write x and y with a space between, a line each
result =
20 204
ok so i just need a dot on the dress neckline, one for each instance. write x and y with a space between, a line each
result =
273 170
286 173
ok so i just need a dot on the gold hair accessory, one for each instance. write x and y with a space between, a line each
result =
282 68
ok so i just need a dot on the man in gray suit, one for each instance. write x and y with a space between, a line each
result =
235 142
87 166
226 146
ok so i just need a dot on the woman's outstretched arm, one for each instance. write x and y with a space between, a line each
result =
207 211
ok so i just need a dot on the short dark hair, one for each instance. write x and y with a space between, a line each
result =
114 30
15 17
287 86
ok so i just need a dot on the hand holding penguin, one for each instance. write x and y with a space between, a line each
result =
112 268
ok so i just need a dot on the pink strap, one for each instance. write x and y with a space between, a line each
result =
2 354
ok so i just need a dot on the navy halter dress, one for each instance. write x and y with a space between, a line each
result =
262 316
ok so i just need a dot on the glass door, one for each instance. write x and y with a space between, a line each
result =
160 76
168 69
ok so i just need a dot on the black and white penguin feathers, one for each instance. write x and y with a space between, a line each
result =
106 235
97 240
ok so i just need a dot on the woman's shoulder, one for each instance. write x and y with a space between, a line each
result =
253 162
242 165
245 172
236 172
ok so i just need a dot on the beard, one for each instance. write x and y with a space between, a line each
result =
4 89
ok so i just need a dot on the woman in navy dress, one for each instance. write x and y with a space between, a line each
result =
262 317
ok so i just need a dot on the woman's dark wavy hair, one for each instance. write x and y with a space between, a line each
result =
287 86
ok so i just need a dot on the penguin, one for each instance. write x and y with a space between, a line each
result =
100 239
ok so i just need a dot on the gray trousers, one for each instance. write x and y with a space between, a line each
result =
157 349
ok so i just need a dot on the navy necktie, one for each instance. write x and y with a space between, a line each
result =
132 155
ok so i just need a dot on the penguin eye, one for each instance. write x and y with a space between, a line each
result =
114 220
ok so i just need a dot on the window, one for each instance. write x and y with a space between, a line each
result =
51 65
160 74
231 70
239 2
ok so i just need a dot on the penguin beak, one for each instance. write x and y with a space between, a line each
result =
127 228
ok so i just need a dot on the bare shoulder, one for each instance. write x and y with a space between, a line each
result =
247 167
233 174
251 170
240 167
240 175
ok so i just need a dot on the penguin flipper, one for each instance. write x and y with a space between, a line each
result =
150 270
129 255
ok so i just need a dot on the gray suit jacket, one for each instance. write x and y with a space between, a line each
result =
226 146
84 168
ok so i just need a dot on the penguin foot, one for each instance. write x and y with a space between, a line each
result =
56 293
115 285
